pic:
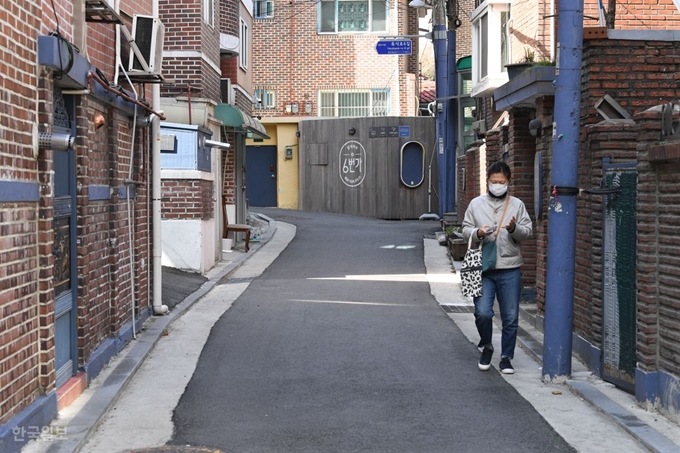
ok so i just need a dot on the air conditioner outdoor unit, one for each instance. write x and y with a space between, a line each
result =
147 33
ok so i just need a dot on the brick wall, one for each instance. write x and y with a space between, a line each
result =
520 158
20 309
637 74
229 175
658 249
182 24
658 323
103 290
530 31
464 32
544 112
187 199
19 305
185 31
608 67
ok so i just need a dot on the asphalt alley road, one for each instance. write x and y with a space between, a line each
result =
335 348
339 346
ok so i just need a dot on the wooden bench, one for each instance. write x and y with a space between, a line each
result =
235 227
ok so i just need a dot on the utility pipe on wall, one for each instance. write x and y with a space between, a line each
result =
440 38
158 307
452 123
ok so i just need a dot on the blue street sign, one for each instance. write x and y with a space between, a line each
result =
394 47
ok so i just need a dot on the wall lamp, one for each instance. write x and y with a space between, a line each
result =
535 127
99 120
352 131
418 4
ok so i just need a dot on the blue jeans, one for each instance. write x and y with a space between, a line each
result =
506 285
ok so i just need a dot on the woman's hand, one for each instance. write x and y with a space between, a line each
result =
485 230
511 225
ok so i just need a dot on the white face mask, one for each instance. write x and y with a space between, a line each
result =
498 190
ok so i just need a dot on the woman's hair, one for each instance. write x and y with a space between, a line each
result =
499 167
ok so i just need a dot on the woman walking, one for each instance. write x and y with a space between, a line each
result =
498 217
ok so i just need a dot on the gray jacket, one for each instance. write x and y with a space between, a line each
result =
486 210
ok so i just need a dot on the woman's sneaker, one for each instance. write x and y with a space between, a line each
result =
506 366
485 359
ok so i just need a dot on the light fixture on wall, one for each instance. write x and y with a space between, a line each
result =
419 4
535 127
352 131
99 120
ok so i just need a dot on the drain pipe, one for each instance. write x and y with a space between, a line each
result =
129 183
158 307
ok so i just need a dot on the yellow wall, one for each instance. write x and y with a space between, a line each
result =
282 135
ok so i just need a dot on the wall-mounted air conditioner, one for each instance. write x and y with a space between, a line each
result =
147 33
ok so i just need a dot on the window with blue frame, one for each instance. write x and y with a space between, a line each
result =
264 9
353 16
265 99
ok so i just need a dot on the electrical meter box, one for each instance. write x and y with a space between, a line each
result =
183 147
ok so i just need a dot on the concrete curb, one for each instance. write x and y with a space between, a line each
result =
80 428
638 429
644 433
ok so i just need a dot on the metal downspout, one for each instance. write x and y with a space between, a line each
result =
158 307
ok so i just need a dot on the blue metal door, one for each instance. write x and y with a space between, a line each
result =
64 223
619 301
261 176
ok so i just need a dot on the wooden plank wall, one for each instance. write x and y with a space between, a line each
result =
380 194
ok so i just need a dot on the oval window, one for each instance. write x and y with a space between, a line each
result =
412 165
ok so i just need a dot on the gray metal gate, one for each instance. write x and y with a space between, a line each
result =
619 301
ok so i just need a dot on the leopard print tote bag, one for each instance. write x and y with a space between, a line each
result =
471 271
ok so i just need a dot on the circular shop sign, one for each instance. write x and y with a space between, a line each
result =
352 163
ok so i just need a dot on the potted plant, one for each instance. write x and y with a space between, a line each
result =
456 244
515 69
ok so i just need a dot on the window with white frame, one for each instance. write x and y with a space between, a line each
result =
354 103
245 39
209 12
264 9
490 46
353 16
265 98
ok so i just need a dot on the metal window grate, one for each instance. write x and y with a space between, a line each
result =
354 103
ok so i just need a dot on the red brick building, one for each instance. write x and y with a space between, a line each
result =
76 267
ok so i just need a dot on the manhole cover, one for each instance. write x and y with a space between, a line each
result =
177 449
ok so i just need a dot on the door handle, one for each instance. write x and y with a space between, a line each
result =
273 176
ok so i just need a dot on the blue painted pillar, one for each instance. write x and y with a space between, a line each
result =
559 298
452 126
441 79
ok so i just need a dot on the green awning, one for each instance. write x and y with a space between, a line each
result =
232 116
464 63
